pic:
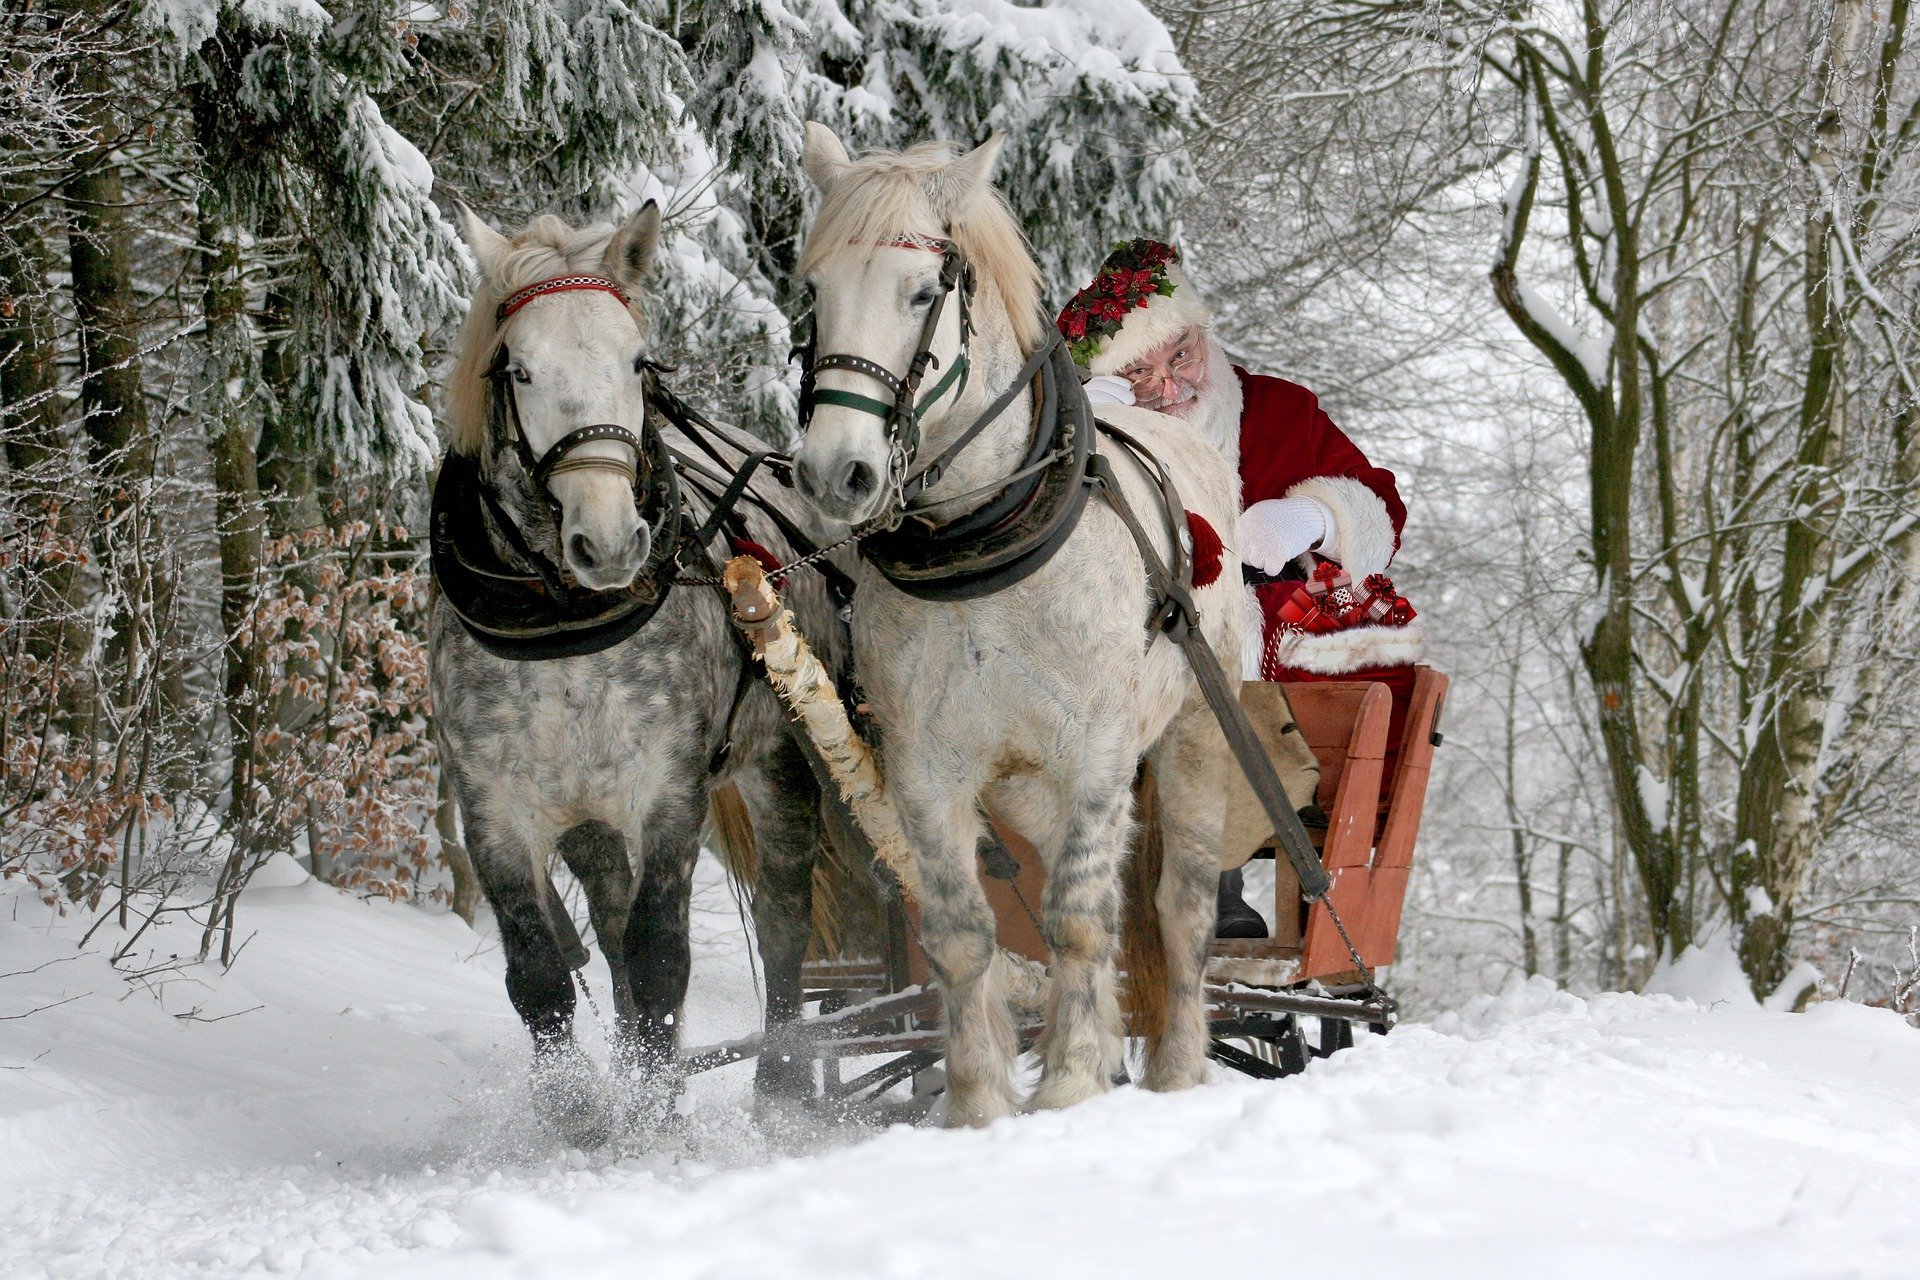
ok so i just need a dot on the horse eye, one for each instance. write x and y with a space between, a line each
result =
520 374
924 298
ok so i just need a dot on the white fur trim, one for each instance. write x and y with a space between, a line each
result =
1253 642
1358 649
1362 537
1145 328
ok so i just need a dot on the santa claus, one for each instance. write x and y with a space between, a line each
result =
1319 522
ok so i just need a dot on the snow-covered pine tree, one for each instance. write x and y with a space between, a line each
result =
295 147
1091 96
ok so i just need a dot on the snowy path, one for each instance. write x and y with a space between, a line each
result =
362 1119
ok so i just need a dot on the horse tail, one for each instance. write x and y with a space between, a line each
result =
836 896
730 834
1143 952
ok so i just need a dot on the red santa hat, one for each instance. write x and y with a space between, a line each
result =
1137 301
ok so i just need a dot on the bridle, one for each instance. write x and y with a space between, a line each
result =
903 413
522 603
555 461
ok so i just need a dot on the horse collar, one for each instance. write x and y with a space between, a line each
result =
1023 523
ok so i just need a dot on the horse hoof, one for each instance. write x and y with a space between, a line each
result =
567 1095
975 1109
581 1121
784 1078
1058 1092
1174 1079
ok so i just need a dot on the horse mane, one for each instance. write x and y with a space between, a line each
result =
546 247
884 193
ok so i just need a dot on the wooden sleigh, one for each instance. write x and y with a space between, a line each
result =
1259 991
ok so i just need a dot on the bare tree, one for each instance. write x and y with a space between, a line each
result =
1705 225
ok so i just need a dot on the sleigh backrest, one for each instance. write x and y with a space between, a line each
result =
1345 722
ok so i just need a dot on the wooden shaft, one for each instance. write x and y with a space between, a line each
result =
808 690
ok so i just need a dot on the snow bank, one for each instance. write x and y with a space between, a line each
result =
357 1113
1707 973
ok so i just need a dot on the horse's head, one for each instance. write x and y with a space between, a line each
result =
540 364
875 261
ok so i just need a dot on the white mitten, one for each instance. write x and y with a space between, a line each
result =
1107 389
1281 529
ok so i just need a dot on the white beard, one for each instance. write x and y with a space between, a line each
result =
1216 409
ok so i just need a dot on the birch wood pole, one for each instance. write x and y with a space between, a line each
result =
808 690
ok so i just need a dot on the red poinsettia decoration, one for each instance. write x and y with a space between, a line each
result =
1134 272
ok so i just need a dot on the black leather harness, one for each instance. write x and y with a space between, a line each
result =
1022 519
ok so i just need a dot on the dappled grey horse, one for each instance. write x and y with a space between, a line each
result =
557 518
1036 696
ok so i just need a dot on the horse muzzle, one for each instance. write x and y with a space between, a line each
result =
605 554
842 485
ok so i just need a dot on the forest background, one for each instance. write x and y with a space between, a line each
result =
1624 291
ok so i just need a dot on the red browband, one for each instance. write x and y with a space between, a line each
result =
560 284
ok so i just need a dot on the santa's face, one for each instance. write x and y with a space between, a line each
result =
1173 377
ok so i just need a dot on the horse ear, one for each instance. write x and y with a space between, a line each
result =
956 186
629 254
489 246
823 157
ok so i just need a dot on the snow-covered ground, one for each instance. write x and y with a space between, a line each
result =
347 1102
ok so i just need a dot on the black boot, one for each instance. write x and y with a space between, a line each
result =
1237 919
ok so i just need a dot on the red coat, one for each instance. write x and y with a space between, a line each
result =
1290 447
1286 437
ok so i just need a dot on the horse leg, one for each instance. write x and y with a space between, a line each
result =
1082 1050
659 952
597 856
957 931
1190 764
784 801
539 983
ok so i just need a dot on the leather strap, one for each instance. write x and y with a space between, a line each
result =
1175 614
928 476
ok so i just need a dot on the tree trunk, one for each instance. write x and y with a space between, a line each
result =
287 478
1516 829
1779 819
37 456
113 405
230 392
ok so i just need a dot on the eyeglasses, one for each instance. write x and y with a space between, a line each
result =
1188 362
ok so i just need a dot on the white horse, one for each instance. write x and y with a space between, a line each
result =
1038 700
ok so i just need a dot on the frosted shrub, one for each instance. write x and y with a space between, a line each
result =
343 762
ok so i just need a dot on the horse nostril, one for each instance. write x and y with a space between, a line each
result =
581 550
859 480
803 478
